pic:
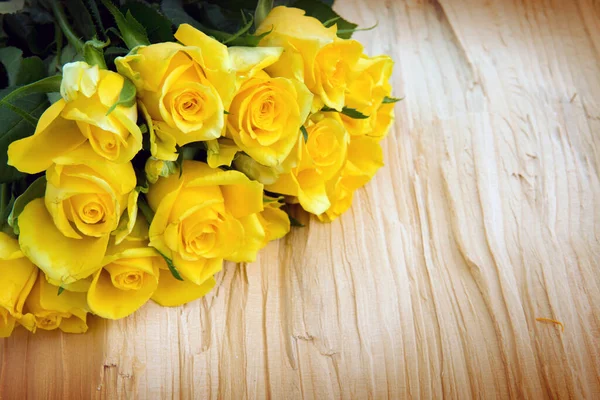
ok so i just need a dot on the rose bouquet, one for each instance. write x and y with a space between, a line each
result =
138 160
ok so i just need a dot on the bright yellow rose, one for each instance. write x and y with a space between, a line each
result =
266 115
206 216
186 87
67 125
66 233
366 94
127 280
274 220
172 292
67 311
17 276
313 54
321 159
86 195
365 157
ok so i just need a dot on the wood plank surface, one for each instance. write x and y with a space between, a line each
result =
485 219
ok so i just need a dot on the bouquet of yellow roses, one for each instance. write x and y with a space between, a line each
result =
138 160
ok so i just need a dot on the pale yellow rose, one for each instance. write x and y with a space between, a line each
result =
67 311
128 278
266 115
321 159
204 217
313 54
67 125
366 94
184 88
66 233
17 276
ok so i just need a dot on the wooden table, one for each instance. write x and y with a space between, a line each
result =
443 277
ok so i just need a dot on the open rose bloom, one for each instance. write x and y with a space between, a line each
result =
144 171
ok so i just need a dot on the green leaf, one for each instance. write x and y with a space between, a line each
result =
295 222
390 100
158 27
96 14
263 8
13 127
11 58
30 119
324 13
81 18
331 21
249 40
174 11
145 209
341 32
93 52
127 96
304 133
36 190
30 31
179 161
46 85
244 29
132 31
351 112
60 290
171 266
31 70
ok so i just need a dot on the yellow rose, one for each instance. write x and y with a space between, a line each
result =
67 125
266 115
313 54
67 311
66 233
86 195
172 292
321 159
204 217
17 276
186 87
127 280
365 157
366 94
274 220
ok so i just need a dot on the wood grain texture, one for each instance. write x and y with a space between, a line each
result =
485 218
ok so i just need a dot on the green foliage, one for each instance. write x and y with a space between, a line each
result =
132 32
324 13
304 133
21 70
158 26
350 112
263 7
93 52
171 266
15 127
36 190
81 18
126 97
390 100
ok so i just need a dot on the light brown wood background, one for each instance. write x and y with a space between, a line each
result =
486 217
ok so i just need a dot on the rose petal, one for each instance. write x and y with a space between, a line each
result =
62 259
172 292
